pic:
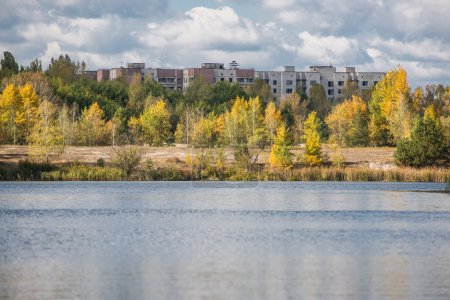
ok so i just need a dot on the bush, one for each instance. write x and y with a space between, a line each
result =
127 159
32 170
425 147
100 162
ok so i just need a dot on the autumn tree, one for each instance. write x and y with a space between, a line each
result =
272 119
313 149
390 109
207 131
348 123
294 112
155 124
18 107
45 137
280 155
91 129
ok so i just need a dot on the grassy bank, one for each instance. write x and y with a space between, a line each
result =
84 172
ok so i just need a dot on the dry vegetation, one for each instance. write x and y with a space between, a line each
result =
354 157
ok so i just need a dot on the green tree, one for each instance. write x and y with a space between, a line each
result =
259 88
425 147
63 67
8 65
313 149
318 101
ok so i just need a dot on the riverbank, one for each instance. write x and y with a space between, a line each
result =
180 163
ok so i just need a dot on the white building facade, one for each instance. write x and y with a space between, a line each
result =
285 82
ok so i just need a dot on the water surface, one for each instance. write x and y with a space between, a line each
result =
172 240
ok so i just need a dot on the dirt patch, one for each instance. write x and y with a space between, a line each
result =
366 156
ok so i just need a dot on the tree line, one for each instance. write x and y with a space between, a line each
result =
57 107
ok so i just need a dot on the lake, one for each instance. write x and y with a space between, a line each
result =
219 240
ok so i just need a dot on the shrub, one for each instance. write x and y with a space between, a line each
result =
425 147
100 162
127 159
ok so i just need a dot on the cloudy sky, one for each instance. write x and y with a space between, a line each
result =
373 35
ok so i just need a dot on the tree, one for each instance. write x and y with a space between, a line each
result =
27 114
391 108
272 119
280 155
63 67
206 131
91 127
313 149
155 124
425 147
8 65
127 159
259 88
45 137
9 107
348 123
294 111
318 101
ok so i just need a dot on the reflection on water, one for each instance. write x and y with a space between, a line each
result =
222 241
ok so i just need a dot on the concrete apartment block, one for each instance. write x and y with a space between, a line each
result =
285 82
282 83
215 72
102 74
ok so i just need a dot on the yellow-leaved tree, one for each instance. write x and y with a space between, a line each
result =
18 111
92 130
280 155
155 124
391 109
313 148
45 137
207 131
272 119
348 123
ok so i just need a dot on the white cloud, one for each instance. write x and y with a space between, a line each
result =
278 4
324 49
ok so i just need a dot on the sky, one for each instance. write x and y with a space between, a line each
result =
373 35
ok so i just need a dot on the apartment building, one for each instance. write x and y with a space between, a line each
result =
216 72
169 78
282 83
285 82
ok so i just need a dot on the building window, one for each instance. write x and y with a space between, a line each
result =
365 83
222 79
274 82
230 80
340 83
313 82
274 91
288 82
288 91
375 83
339 92
250 80
330 92
330 83
241 80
